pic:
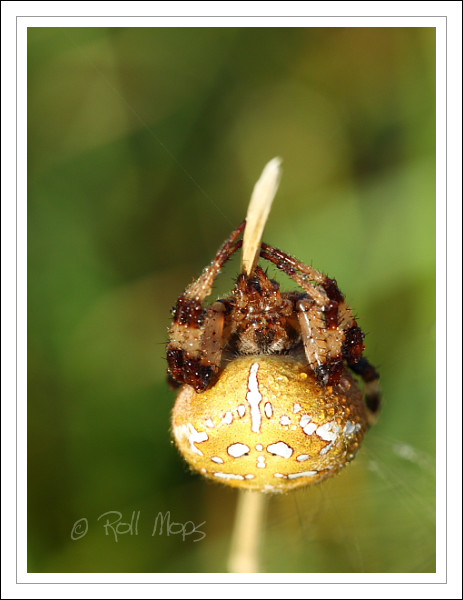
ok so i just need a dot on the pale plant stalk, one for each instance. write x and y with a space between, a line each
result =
258 211
251 508
248 531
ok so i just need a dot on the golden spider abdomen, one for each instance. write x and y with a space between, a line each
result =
268 425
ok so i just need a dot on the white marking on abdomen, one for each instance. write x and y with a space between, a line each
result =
302 474
297 408
303 457
285 420
254 397
304 420
241 410
261 462
237 450
217 459
307 427
268 408
227 418
209 423
326 448
324 431
352 427
280 449
259 447
310 428
194 437
228 476
349 428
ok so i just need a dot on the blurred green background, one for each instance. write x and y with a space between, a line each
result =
144 145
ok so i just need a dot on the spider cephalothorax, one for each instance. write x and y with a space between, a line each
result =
268 400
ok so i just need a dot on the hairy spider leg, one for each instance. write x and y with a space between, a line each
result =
195 350
330 332
370 376
202 287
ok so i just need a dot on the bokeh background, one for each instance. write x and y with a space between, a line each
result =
144 145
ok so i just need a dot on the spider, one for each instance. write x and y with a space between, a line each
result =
267 401
315 325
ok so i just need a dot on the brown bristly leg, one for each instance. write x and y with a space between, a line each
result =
370 377
202 287
287 264
335 340
195 349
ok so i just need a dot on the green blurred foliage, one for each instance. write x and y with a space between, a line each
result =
143 148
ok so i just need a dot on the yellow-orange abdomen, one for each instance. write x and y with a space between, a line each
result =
268 425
